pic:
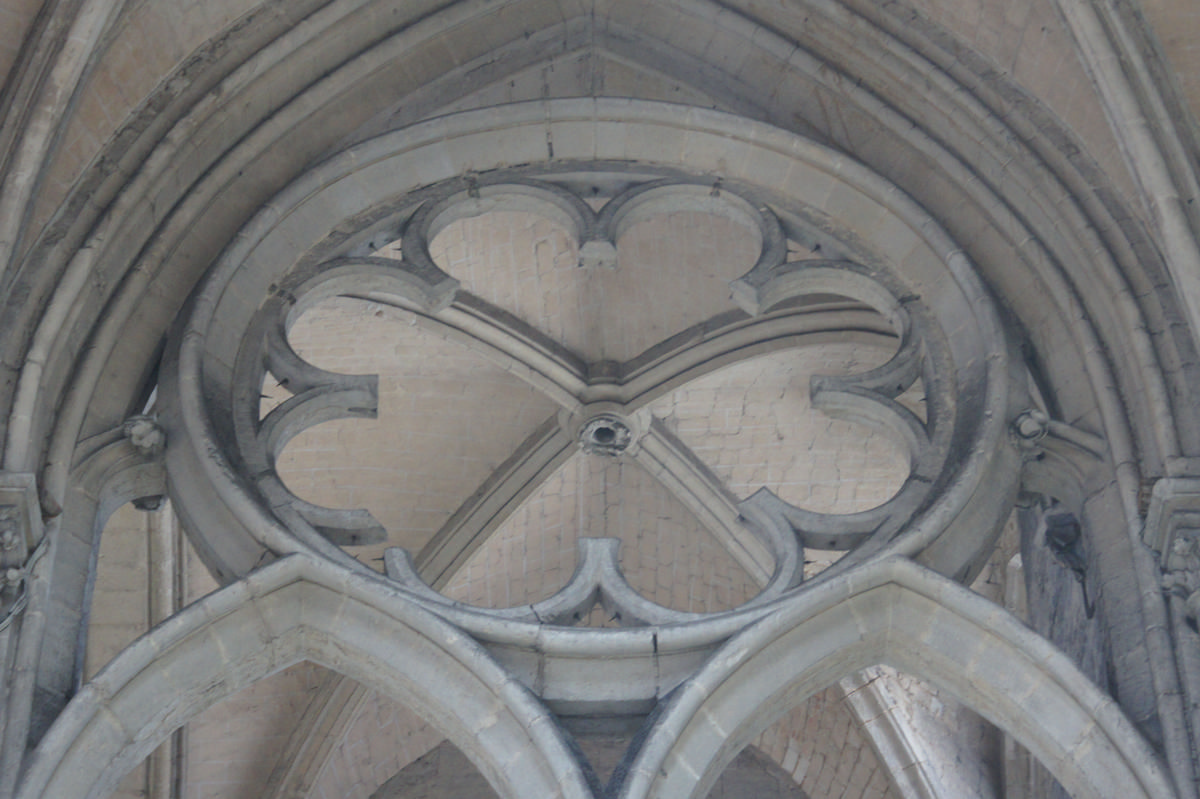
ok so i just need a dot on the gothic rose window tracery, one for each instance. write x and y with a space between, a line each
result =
520 374
817 250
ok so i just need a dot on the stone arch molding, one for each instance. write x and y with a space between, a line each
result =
890 611
302 608
328 219
896 612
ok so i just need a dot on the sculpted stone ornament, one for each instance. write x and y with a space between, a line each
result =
146 435
21 541
1030 427
10 588
1058 459
1181 576
606 434
10 527
12 557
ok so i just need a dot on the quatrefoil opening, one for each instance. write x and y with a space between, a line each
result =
641 408
938 389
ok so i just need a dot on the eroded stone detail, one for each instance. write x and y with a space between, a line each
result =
605 435
1030 427
12 558
21 541
146 435
1181 575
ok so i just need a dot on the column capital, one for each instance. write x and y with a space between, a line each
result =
1174 513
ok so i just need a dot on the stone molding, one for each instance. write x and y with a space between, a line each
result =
910 272
898 613
299 609
891 611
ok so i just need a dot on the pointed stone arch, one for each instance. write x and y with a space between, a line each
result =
302 609
899 613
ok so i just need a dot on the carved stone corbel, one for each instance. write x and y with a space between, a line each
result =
1172 529
1174 512
1181 572
1059 459
20 534
150 440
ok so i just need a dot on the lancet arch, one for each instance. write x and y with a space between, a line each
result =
898 613
302 609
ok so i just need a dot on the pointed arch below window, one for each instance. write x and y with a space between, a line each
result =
302 609
896 612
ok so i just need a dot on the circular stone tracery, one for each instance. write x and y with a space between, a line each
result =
962 475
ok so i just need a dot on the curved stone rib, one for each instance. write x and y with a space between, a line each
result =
350 396
302 608
619 598
890 379
896 612
418 283
297 375
871 409
597 577
565 607
764 287
358 400
581 593
769 554
321 395
524 336
498 335
869 398
328 395
527 353
514 346
342 527
643 201
838 532
349 527
476 195
533 461
429 289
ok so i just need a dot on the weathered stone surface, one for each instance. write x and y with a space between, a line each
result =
965 229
